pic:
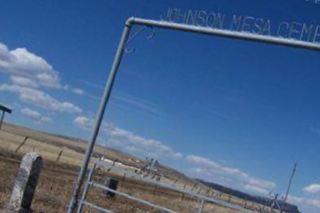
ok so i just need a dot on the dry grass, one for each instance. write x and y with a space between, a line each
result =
55 186
53 190
56 180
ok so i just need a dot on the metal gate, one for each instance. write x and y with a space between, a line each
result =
78 197
99 164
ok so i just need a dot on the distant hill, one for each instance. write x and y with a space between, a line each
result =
79 145
286 207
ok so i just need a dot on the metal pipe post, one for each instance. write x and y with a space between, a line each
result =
1 119
105 98
85 190
201 203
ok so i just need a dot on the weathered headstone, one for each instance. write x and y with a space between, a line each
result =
25 184
112 184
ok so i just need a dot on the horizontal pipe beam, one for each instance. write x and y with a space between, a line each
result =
96 207
147 203
225 33
166 186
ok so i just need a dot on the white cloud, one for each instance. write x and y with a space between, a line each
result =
29 75
74 90
28 69
312 188
303 201
139 145
82 122
34 115
22 63
130 142
40 99
233 177
22 81
77 91
312 202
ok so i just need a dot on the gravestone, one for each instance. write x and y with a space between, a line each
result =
25 184
112 184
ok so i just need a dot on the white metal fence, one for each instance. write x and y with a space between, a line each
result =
90 183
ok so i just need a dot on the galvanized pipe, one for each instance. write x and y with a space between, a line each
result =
169 187
201 204
85 190
144 202
104 100
226 33
97 207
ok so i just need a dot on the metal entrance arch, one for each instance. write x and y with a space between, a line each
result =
173 26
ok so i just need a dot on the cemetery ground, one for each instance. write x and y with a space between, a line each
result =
62 157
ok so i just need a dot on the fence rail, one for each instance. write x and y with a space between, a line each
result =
100 164
172 187
144 202
96 207
91 183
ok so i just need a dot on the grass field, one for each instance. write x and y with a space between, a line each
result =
55 187
59 173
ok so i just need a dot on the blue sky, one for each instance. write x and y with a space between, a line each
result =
233 112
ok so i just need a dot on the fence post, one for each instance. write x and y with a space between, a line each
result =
86 188
25 183
59 155
20 145
200 208
1 119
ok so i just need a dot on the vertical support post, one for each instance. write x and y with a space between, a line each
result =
1 119
25 183
290 181
86 188
105 98
201 206
20 145
59 155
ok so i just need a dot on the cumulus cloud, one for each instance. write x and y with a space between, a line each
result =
40 99
303 201
312 188
136 144
129 141
74 90
83 122
22 81
30 72
77 91
233 177
35 116
28 66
